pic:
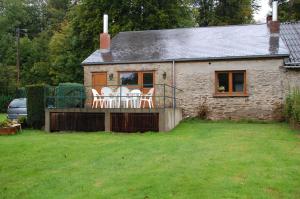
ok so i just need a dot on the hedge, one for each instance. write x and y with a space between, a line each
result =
36 95
21 93
70 95
4 102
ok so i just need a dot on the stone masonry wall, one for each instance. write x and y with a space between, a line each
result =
264 87
267 84
291 79
158 68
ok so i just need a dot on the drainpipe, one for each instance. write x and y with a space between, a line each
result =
173 83
174 91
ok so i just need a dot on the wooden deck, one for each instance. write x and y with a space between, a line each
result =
116 120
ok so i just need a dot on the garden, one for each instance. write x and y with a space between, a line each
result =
198 159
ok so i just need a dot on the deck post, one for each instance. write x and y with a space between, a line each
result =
107 121
47 120
164 96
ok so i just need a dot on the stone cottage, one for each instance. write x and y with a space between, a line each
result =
237 72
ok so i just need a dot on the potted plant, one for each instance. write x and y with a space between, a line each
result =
8 127
221 89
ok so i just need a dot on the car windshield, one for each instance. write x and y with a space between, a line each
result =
18 103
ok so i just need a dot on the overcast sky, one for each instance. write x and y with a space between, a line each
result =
260 17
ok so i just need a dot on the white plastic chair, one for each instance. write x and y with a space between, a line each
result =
122 96
96 99
108 97
147 98
135 96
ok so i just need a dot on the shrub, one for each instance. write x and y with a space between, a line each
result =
70 95
203 110
36 95
4 102
292 105
23 121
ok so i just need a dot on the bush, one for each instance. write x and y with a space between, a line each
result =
292 106
70 95
203 110
23 121
36 95
4 102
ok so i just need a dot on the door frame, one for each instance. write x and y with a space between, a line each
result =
95 73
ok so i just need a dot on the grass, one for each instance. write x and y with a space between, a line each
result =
196 160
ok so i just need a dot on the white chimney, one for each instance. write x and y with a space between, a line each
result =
275 10
105 37
105 23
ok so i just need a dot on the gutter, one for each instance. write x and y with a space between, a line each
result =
289 64
292 63
189 59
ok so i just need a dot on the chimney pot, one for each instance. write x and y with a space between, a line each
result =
274 24
105 37
274 10
105 23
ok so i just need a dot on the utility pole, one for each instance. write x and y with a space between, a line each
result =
18 56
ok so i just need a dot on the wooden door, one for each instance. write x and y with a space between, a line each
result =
99 80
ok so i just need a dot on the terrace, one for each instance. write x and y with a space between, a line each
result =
117 108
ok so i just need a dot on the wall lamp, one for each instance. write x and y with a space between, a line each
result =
164 75
111 76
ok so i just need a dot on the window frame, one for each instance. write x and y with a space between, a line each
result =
230 92
120 81
140 84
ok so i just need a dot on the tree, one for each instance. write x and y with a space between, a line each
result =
288 10
127 15
224 12
65 64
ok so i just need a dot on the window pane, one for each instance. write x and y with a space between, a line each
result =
148 80
223 82
130 78
238 82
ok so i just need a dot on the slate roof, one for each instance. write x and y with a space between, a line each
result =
290 33
209 43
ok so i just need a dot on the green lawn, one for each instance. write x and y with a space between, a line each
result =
196 160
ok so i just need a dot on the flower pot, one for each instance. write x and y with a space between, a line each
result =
10 130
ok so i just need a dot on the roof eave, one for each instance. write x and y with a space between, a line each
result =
189 59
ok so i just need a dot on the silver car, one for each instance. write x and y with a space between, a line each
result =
17 108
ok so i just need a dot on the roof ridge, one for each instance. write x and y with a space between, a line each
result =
223 26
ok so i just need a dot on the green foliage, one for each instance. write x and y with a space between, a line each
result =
23 121
224 12
70 95
36 95
5 123
289 10
4 102
292 105
21 92
65 63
